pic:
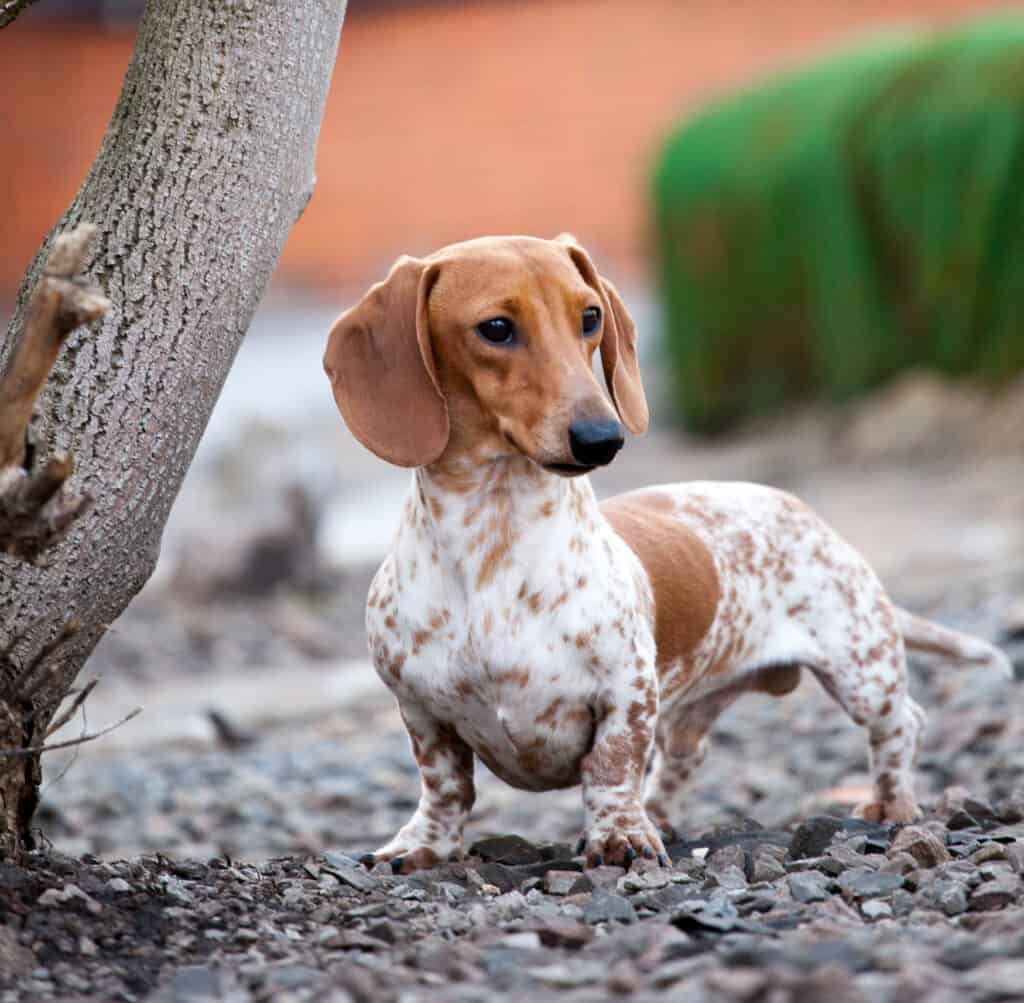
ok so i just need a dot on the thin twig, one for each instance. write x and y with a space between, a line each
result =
35 750
80 697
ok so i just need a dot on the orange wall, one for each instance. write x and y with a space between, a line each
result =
448 121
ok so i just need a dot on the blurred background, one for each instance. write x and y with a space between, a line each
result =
811 206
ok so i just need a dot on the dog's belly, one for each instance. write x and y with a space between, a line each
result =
529 755
532 738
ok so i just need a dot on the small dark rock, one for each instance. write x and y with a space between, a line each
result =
511 850
961 820
813 835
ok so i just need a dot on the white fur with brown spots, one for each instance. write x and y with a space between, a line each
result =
564 642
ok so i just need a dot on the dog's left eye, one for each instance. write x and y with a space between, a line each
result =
497 330
591 319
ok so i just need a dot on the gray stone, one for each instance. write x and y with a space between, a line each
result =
566 883
952 898
766 866
808 886
730 878
876 909
607 907
862 883
995 894
196 983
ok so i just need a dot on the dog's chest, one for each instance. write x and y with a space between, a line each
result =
517 665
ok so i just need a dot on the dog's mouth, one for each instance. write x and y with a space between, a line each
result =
568 469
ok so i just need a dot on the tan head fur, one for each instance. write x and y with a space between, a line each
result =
417 379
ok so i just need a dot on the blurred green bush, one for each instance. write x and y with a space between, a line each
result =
830 228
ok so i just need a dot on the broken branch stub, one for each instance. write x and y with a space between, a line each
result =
35 508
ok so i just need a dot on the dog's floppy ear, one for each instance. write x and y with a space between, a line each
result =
381 366
618 343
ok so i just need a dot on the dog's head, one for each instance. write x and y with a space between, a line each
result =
486 348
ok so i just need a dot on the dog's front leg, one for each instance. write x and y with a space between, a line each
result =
617 829
434 833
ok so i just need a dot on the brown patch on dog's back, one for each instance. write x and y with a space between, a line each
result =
681 569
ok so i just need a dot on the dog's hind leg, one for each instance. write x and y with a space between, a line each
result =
873 692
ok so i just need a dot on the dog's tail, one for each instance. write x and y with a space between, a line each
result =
923 637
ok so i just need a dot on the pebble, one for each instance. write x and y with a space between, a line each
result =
923 845
607 907
995 894
863 883
565 883
876 909
808 886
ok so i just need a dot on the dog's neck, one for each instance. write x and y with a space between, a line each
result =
480 520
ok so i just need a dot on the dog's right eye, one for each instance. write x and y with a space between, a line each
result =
497 330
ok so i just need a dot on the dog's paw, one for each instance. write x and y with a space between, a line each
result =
624 847
405 860
895 812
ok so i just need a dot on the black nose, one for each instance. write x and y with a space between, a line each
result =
595 443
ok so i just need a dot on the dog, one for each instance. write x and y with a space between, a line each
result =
566 642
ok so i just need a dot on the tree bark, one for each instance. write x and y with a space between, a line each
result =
10 9
206 164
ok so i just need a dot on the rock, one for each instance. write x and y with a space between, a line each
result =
979 809
623 979
999 979
995 894
119 886
813 835
924 846
951 800
648 880
511 850
727 856
959 819
561 932
766 866
862 883
196 984
730 878
949 896
875 909
69 893
1010 811
1015 855
607 907
899 863
566 883
717 915
988 852
737 983
571 974
808 886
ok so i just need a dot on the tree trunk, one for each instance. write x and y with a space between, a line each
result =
206 164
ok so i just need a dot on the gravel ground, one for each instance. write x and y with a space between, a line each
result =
196 857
